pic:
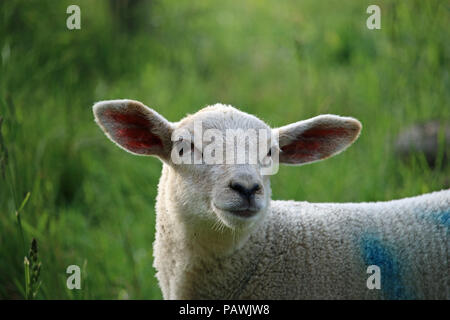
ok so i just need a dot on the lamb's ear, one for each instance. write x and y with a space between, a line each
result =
134 127
316 138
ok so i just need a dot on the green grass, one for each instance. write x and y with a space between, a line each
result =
92 204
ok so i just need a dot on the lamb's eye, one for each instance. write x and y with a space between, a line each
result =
269 154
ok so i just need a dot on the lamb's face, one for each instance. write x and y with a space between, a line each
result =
220 158
225 158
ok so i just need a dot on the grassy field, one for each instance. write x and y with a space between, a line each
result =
91 204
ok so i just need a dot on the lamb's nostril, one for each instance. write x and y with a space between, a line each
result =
243 190
256 187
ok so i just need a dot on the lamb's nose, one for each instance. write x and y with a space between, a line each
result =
246 192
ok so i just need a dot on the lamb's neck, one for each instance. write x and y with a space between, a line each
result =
197 239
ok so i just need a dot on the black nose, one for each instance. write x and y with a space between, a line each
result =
245 191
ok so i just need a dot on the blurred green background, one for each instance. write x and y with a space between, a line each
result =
91 204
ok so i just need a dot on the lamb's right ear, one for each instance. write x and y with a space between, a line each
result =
134 127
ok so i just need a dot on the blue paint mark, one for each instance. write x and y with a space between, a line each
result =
375 252
442 218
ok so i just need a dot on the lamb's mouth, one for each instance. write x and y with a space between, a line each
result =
242 213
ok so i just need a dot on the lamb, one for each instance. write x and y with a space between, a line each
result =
220 236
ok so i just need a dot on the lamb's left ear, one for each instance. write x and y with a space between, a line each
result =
316 138
134 127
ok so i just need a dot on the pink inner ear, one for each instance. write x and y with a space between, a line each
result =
133 131
128 118
313 144
326 132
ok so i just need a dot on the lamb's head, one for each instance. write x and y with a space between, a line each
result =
220 159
